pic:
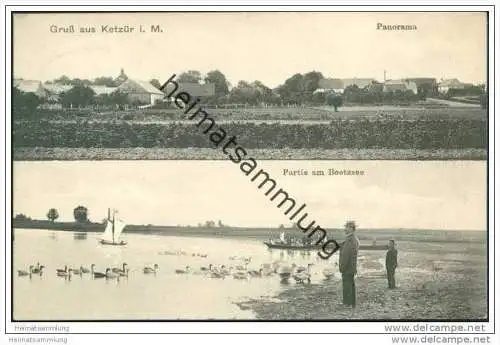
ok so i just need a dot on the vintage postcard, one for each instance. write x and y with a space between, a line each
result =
283 85
195 171
193 240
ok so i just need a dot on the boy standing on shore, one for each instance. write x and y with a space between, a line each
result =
391 262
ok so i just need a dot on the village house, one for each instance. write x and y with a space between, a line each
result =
33 86
446 85
338 85
400 85
359 82
425 86
103 90
139 91
54 91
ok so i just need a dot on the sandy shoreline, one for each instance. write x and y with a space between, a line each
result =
430 287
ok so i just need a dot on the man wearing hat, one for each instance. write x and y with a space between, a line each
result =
348 257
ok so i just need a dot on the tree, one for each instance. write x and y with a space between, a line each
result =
155 83
26 101
311 81
191 76
80 214
293 90
63 80
220 82
334 100
78 96
52 215
21 216
105 81
244 93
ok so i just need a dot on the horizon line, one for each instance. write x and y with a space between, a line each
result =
254 226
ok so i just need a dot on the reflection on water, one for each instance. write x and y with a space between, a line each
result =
164 295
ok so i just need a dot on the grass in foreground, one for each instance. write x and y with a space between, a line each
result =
139 153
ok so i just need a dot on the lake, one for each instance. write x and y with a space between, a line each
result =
166 295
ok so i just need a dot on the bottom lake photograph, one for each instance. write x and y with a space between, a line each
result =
213 240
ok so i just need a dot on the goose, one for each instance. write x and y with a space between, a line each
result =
22 273
96 274
84 270
120 270
179 271
255 273
286 272
65 270
65 274
241 275
38 269
111 275
242 268
225 271
209 268
302 276
148 269
215 274
329 273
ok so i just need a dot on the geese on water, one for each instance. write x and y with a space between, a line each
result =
329 273
65 274
209 268
302 276
38 269
122 272
225 271
96 274
23 273
184 271
111 275
286 272
241 275
123 269
77 271
216 274
149 269
255 273
61 270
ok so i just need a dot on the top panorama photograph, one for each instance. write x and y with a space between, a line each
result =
271 85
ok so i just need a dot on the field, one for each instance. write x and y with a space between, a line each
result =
435 281
275 133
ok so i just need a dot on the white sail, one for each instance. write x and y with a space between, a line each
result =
119 226
108 233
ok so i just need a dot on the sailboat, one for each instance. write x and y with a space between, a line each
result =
114 228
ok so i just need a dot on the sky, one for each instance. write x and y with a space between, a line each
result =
447 195
269 47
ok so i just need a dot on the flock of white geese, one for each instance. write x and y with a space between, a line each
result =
285 272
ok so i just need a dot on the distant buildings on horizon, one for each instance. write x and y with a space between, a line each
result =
144 92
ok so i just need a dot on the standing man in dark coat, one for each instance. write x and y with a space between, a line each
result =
391 262
348 258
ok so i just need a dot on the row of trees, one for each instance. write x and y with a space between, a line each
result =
300 89
80 214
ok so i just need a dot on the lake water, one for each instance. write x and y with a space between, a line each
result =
166 295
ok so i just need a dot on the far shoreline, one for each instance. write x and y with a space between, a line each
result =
257 233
